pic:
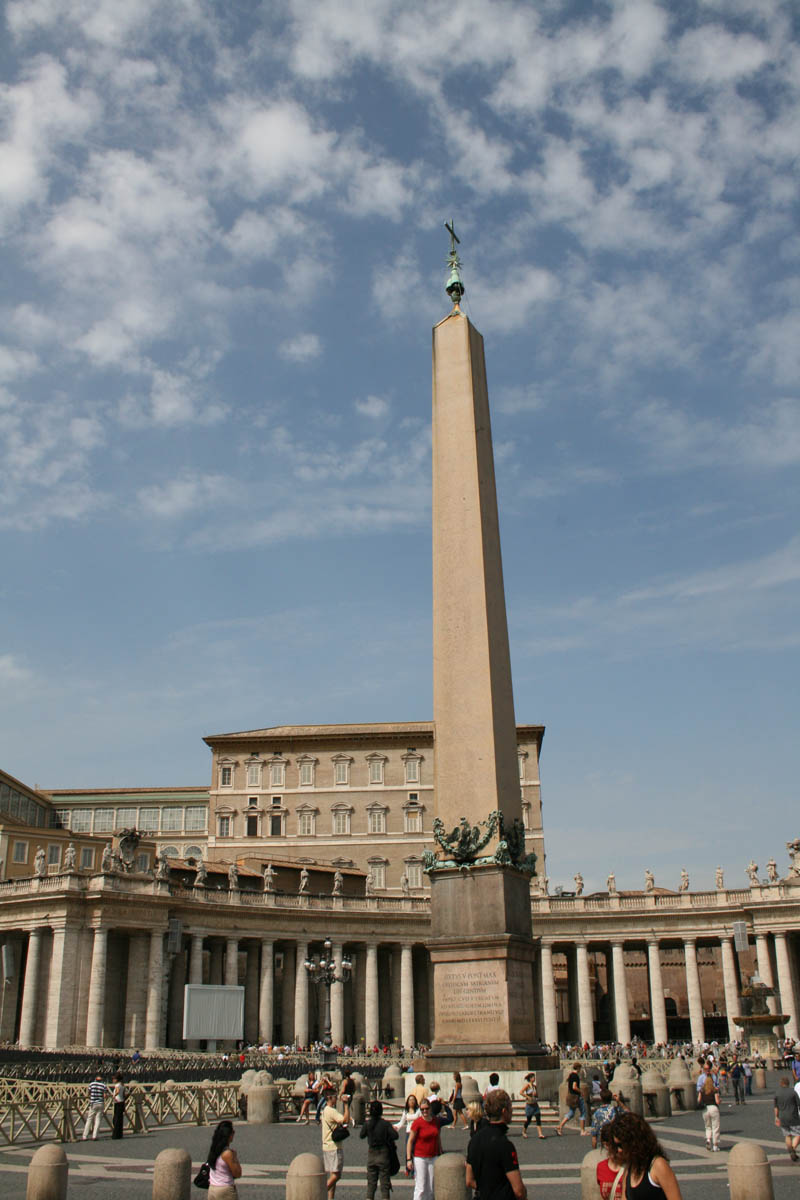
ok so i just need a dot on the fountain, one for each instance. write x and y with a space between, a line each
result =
757 1022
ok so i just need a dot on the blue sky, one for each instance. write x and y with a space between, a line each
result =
223 251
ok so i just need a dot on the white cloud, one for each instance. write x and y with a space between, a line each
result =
374 407
183 497
13 673
302 348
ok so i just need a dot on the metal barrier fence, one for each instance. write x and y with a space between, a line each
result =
32 1111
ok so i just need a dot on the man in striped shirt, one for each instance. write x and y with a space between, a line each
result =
97 1094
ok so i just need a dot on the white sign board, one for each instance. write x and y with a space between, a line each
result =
740 936
213 1012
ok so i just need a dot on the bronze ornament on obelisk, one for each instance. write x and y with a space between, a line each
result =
481 946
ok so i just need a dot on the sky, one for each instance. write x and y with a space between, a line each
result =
223 250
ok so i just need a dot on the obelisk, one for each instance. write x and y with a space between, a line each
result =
481 945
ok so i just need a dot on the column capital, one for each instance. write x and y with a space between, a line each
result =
653 939
548 942
617 943
689 939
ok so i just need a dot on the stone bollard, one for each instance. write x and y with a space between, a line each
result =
683 1091
655 1087
262 1078
262 1105
172 1175
749 1174
247 1081
47 1174
759 1079
306 1178
450 1178
590 1189
357 1107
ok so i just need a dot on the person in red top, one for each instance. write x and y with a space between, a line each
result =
610 1174
424 1145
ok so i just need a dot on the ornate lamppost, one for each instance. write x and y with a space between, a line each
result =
321 968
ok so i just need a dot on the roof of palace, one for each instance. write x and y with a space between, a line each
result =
369 729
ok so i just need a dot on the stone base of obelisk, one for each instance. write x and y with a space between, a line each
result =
482 954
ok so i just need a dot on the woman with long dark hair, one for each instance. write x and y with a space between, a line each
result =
632 1144
224 1163
381 1137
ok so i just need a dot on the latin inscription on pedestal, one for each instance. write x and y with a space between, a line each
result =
470 1002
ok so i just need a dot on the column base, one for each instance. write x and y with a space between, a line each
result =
498 1057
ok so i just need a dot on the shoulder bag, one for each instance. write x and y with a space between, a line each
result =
201 1179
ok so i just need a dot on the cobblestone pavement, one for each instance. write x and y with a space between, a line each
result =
550 1168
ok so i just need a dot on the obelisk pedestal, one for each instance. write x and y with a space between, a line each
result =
481 946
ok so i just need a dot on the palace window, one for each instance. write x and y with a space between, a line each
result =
148 819
195 819
64 816
53 856
81 820
252 801
126 818
377 820
254 775
378 870
276 825
413 814
376 767
341 820
522 755
342 771
169 852
412 762
142 861
414 873
172 819
226 777
223 827
277 774
305 824
103 820
20 854
194 852
252 825
87 859
307 771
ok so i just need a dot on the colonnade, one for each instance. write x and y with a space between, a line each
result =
101 985
770 948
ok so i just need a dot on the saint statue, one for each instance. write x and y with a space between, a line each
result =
772 871
269 878
578 884
794 856
404 884
684 880
369 885
611 884
107 861
40 862
338 881
649 880
162 870
719 879
304 881
752 872
202 873
69 857
233 876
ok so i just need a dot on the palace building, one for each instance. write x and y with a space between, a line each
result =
96 952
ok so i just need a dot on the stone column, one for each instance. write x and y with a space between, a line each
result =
177 984
10 989
549 1010
196 958
622 1018
395 999
693 992
731 989
155 978
788 1000
765 968
231 962
61 991
372 1019
266 999
407 996
215 965
585 1015
30 993
251 981
301 996
287 994
337 999
136 994
658 1009
97 989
